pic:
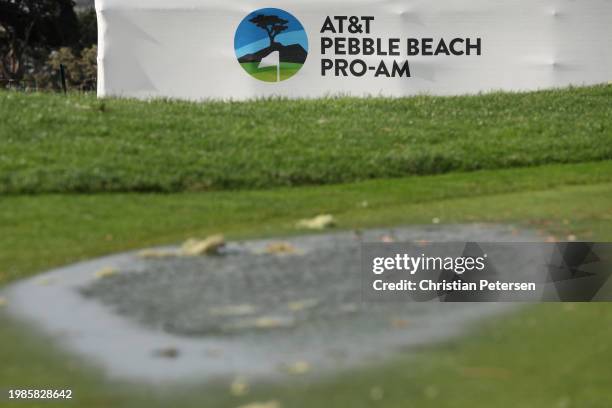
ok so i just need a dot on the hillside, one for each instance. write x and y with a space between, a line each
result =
290 53
52 143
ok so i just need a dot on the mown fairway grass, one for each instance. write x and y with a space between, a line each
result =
50 143
545 356
42 231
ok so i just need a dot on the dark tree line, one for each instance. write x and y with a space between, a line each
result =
31 30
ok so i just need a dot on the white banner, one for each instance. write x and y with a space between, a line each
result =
241 49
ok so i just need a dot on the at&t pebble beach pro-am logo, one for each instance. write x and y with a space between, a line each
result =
271 45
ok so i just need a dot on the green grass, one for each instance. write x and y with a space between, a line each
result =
269 74
546 356
52 143
540 160
51 230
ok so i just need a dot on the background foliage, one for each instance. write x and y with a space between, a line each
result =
38 35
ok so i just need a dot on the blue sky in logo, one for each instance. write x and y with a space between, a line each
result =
250 38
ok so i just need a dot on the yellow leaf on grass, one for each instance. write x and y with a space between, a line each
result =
208 246
239 387
298 368
319 222
377 393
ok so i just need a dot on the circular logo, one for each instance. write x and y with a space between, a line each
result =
271 45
